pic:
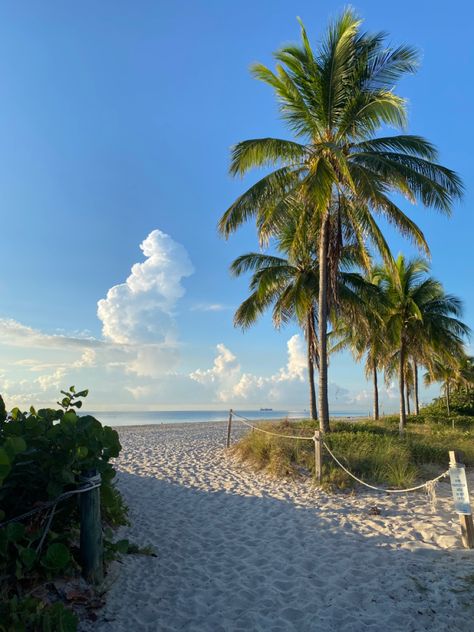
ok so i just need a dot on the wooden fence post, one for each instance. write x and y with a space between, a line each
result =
91 531
318 456
462 505
229 428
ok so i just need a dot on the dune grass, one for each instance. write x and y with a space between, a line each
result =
373 451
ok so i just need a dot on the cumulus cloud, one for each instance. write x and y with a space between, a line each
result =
222 376
229 383
140 311
297 362
138 326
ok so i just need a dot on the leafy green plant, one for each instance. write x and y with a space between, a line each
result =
57 557
72 399
44 454
30 614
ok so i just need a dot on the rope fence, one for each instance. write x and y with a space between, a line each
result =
248 423
91 545
381 489
51 503
429 485
456 473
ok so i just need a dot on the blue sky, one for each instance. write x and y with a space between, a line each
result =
116 120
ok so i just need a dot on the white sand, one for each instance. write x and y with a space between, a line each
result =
238 551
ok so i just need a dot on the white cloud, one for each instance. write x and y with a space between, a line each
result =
16 334
137 360
209 307
222 376
225 364
139 330
140 311
230 384
53 380
297 362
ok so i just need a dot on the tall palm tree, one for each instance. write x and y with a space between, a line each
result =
290 282
441 371
334 100
291 286
419 312
364 333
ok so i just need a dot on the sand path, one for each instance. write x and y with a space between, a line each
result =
238 551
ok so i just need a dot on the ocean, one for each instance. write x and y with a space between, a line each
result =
140 418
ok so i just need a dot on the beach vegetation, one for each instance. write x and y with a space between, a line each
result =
288 284
43 455
340 170
372 450
409 322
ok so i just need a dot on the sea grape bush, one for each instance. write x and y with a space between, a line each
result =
43 454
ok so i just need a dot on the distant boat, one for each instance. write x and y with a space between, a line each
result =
265 410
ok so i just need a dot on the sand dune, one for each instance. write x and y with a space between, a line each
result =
239 551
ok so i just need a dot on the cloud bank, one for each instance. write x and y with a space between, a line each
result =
136 362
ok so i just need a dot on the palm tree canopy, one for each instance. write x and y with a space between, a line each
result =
334 100
363 331
420 315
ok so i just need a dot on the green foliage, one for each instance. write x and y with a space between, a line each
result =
44 454
338 174
373 451
122 547
30 614
57 557
72 399
461 404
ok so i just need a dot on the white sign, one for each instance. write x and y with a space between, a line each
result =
462 504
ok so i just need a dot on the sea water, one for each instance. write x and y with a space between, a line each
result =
140 418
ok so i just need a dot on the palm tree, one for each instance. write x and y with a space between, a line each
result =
290 284
454 373
335 100
364 333
465 373
419 314
443 372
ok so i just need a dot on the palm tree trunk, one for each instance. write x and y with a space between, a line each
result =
407 389
448 398
401 380
415 383
322 334
376 391
312 389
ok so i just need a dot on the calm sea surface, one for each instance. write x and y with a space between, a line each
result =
190 416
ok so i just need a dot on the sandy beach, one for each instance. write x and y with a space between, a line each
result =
239 551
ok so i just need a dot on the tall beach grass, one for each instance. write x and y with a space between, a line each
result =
373 451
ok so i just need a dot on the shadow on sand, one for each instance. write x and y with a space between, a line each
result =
227 562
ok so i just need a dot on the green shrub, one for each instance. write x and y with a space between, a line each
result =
30 614
44 454
461 403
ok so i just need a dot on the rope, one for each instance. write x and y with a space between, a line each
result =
427 484
275 434
430 485
51 503
46 529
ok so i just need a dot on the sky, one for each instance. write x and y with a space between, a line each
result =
116 123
